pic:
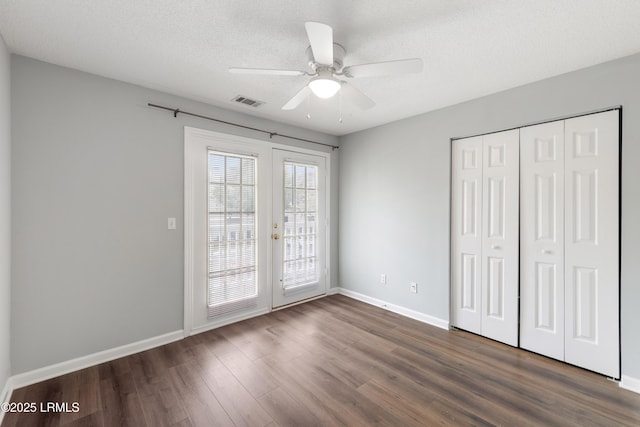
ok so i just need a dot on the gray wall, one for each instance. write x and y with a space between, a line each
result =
5 214
95 174
395 186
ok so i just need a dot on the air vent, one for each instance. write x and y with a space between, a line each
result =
247 101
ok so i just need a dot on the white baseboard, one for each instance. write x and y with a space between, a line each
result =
630 383
5 395
416 315
333 291
52 371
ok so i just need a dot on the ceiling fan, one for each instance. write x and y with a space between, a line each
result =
325 62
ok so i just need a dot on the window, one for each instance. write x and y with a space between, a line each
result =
300 264
232 247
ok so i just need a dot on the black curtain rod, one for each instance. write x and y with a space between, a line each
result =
177 111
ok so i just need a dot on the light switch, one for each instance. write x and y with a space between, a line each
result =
171 224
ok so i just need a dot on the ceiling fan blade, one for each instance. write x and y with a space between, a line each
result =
403 66
297 99
352 95
321 41
266 71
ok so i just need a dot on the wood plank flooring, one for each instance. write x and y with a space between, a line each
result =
333 361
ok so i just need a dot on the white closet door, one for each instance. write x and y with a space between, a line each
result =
500 240
542 239
466 235
591 242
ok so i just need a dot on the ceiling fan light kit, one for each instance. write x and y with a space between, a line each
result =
326 61
324 85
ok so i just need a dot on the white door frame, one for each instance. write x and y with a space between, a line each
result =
191 134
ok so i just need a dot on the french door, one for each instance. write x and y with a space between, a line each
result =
299 227
255 228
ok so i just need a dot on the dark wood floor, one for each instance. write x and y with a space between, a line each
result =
333 361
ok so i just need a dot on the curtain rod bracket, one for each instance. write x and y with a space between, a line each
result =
175 112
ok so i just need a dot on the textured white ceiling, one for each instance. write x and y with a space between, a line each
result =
470 48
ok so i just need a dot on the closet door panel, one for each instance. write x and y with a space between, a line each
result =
592 242
466 237
500 240
542 239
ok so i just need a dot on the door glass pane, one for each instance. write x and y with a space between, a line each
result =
300 264
232 252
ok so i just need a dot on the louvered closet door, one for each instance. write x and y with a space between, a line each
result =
500 236
466 233
591 242
542 239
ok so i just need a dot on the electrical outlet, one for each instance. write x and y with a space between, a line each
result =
383 279
414 287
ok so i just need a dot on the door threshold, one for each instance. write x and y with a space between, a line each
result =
280 307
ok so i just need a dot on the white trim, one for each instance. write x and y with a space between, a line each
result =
630 383
226 321
416 315
328 219
52 371
188 239
333 291
7 391
296 149
282 307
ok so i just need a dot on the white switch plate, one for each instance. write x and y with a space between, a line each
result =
383 279
414 287
171 224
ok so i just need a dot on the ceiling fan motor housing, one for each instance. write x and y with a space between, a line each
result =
338 56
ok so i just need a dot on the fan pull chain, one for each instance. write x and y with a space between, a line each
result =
308 105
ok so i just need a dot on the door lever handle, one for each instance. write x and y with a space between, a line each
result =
495 247
276 236
546 252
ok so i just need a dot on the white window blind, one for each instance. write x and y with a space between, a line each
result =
232 252
300 261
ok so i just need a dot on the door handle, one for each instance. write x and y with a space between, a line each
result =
546 252
495 247
276 236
